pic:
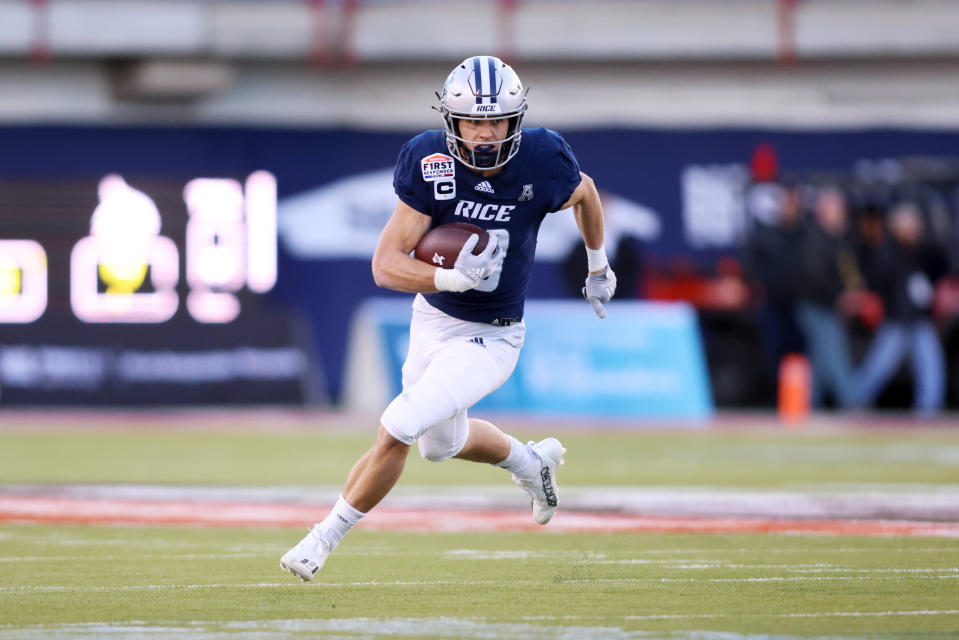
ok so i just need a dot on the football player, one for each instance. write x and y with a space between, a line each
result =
467 328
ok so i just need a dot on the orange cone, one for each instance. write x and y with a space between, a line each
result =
794 389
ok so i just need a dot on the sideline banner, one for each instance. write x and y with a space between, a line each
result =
147 291
645 360
258 359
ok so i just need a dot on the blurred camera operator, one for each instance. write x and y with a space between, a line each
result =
769 253
828 269
904 271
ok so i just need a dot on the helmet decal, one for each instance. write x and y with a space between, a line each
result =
478 74
484 70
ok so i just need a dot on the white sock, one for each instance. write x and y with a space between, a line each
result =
521 460
342 518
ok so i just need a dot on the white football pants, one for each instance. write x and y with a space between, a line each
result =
451 365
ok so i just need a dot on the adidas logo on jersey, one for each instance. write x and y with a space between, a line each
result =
478 341
485 187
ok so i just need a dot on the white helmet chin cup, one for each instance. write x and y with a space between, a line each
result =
483 88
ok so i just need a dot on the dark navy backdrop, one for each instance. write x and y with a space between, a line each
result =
642 165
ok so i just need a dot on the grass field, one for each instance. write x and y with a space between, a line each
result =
91 581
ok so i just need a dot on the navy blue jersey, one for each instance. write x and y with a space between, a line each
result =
538 180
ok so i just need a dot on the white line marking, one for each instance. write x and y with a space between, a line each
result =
873 571
817 614
155 556
258 585
670 564
784 550
747 580
821 568
864 614
505 554
427 583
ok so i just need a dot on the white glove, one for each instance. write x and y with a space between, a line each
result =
469 270
599 289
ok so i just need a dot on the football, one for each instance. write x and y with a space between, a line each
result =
441 245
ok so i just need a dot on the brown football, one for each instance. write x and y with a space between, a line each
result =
442 245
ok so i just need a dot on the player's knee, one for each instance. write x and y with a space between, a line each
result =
435 451
417 409
400 420
445 440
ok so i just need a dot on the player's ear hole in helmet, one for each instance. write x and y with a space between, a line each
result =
483 88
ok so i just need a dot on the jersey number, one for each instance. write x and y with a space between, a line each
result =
490 284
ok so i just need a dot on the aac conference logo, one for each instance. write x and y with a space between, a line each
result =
126 270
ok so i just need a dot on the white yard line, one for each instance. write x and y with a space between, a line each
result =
257 585
147 556
579 558
950 576
421 583
813 614
587 558
787 550
574 558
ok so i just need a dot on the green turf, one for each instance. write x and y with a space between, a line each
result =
194 582
743 583
771 458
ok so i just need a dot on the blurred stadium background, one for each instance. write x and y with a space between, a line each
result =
191 132
190 195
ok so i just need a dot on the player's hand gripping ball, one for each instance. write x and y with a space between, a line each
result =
442 245
464 254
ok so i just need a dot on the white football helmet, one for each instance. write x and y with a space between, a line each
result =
483 88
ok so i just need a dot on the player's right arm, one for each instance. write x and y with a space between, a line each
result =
393 266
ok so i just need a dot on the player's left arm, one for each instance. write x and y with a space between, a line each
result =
588 210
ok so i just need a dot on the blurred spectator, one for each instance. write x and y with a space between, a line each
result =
903 272
869 239
827 270
871 234
769 258
954 253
